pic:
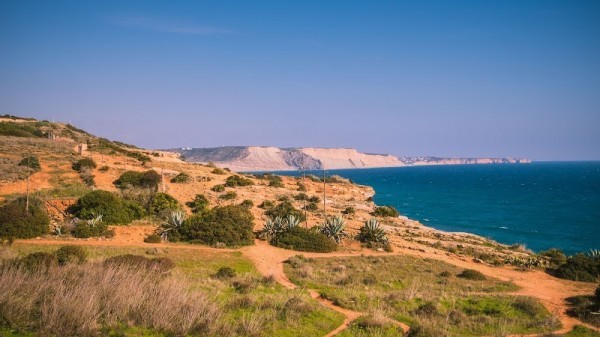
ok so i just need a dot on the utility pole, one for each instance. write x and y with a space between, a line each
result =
324 198
27 198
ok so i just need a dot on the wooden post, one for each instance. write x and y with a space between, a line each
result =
27 198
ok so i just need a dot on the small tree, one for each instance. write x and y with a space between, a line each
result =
31 162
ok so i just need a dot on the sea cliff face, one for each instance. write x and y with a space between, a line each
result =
257 158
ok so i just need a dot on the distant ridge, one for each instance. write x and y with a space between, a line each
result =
265 158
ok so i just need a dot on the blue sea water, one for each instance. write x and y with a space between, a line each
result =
543 204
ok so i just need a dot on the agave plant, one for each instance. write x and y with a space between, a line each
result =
272 227
334 228
96 219
291 221
594 253
371 231
174 220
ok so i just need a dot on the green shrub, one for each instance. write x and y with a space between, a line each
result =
314 199
104 168
555 256
229 225
349 210
19 130
160 264
38 261
218 188
580 267
32 162
162 202
225 273
301 196
229 195
236 180
470 274
181 178
247 203
312 207
82 230
218 171
304 240
199 204
266 204
84 163
148 179
16 222
301 187
275 181
71 254
153 238
283 210
385 211
113 209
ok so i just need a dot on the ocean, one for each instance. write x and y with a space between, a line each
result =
542 205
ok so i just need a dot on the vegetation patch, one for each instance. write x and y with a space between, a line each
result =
148 179
385 211
411 290
229 225
181 178
16 221
199 204
236 180
284 209
113 209
581 267
304 240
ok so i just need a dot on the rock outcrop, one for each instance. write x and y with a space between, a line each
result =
257 158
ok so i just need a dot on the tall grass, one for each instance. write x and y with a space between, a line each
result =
79 300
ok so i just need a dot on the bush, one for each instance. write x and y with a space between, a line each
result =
38 261
301 196
153 238
104 168
275 181
218 171
84 163
283 210
385 211
159 264
32 162
266 204
162 202
225 273
312 207
181 178
349 211
236 180
230 225
305 240
229 195
148 179
301 187
470 274
218 188
580 267
16 222
113 209
247 203
199 204
71 254
555 256
19 130
83 231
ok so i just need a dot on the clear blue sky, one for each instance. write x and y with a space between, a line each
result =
445 78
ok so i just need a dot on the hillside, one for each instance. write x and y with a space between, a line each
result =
255 158
267 290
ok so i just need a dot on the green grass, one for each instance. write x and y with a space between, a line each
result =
411 290
581 331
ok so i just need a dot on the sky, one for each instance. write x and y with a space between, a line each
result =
409 78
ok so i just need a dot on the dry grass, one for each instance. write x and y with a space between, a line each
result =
78 300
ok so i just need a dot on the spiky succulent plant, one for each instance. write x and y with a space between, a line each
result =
273 226
174 220
334 228
291 221
371 231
